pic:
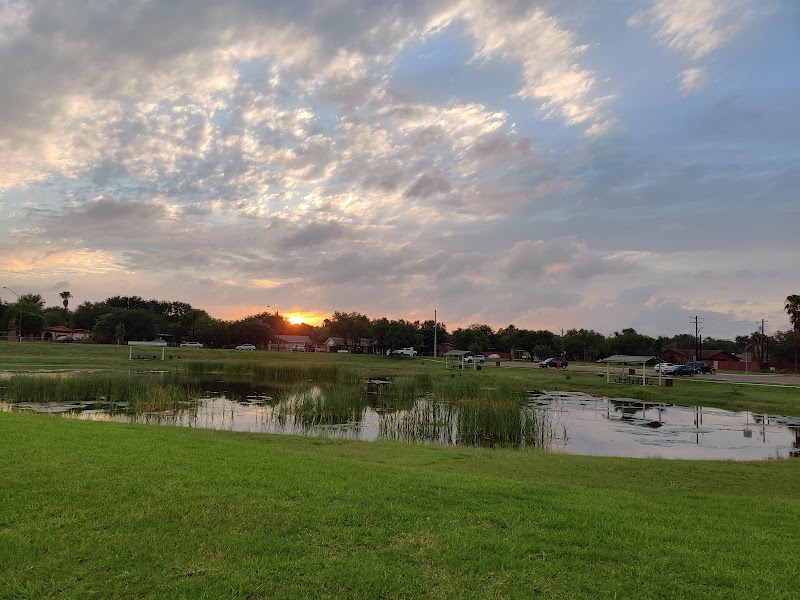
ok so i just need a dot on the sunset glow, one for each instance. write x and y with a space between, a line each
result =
597 165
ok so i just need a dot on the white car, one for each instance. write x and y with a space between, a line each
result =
493 356
246 347
664 368
191 345
402 352
478 358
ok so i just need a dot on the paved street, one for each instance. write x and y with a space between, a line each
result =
760 378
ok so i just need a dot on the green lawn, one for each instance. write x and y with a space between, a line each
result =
102 510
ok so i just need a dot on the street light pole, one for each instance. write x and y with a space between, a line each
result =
19 309
277 325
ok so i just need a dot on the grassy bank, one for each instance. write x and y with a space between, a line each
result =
111 511
291 366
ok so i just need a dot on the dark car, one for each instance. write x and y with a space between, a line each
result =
553 363
701 367
683 370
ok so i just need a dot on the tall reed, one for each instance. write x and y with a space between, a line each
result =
264 372
132 392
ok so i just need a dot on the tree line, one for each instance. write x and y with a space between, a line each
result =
121 318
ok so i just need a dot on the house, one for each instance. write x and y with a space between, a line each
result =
60 333
716 358
444 348
338 344
295 342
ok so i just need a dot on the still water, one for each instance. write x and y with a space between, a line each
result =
571 423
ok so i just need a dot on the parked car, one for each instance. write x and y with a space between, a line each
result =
403 352
664 368
191 345
493 357
683 370
701 367
64 339
246 347
553 363
478 359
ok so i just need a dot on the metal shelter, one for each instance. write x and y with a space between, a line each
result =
455 360
623 360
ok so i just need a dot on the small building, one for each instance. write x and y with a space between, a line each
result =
339 344
716 358
295 342
59 333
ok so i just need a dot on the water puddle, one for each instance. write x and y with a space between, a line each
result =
571 423
626 427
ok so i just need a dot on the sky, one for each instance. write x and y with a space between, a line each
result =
594 163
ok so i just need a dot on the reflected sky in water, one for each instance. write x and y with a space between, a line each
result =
571 423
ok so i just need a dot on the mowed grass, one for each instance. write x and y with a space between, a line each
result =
104 510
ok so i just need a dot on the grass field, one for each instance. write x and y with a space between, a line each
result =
102 510
689 391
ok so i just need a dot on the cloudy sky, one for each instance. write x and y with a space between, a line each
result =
591 163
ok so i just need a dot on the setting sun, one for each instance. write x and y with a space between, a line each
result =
295 320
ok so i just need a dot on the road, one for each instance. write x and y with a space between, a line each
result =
761 378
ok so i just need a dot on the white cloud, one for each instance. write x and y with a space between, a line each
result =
695 27
548 54
693 79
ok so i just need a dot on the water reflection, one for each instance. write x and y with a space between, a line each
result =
561 422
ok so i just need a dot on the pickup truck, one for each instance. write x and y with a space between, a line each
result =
701 367
402 352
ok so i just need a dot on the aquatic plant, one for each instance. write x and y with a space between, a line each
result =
264 371
133 392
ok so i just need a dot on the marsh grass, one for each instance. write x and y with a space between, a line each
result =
264 371
423 422
332 405
130 392
460 408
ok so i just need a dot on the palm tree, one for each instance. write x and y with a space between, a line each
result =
792 307
65 296
33 300
755 346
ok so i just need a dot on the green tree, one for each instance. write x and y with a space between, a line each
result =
426 332
529 340
541 351
54 315
250 330
349 326
474 340
65 296
402 334
629 342
792 307
87 313
119 333
583 344
34 301
140 324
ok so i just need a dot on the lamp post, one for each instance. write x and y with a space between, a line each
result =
277 325
19 309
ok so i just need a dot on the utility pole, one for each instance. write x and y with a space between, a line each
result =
435 327
764 342
696 339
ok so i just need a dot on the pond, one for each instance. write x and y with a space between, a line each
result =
572 423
